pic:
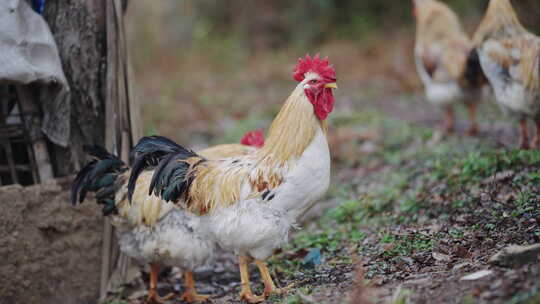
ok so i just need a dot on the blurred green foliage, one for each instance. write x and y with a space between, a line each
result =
276 23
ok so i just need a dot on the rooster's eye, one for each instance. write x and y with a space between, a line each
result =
314 81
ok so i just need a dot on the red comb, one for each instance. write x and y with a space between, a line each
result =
315 65
253 138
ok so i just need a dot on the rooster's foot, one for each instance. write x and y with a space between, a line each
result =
154 298
524 145
278 291
536 143
248 296
194 297
473 130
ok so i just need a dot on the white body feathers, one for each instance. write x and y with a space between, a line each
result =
175 240
151 230
508 84
257 226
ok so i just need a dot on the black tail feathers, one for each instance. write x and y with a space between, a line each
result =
170 178
99 176
474 75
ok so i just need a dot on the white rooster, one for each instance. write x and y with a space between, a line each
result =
248 204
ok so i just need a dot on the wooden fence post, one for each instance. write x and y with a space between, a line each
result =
122 123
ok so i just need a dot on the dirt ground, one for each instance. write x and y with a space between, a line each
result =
410 212
409 215
51 251
417 234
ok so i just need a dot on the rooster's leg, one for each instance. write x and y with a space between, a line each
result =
536 142
269 286
191 295
448 119
524 134
153 296
246 293
473 128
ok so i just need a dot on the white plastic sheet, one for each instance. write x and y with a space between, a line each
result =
28 54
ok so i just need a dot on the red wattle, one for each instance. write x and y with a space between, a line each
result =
323 102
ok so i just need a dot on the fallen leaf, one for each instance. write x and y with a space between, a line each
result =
388 247
461 251
441 257
461 265
477 275
500 176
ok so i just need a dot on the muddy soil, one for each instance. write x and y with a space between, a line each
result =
50 251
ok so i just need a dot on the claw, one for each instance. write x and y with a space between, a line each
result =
524 135
191 295
449 120
536 141
154 298
473 130
269 286
247 295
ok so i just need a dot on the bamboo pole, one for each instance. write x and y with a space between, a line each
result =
110 141
123 126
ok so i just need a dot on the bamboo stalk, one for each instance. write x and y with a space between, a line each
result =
119 135
110 140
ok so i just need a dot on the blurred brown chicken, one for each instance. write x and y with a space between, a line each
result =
509 56
446 61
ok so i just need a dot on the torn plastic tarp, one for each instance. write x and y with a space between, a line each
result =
28 54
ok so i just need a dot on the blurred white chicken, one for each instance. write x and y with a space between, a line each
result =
510 57
249 203
446 62
149 229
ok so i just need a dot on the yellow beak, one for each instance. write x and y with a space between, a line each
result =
331 85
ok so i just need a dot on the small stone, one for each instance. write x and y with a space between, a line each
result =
516 255
477 275
441 257
461 265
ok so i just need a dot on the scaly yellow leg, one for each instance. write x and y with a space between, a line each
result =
449 120
536 142
473 127
245 293
269 286
153 296
191 295
524 134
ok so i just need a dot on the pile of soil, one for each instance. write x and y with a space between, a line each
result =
51 251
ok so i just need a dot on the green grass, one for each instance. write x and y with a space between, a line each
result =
419 183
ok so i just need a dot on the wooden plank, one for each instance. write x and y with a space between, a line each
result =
11 162
4 100
106 260
110 139
123 261
119 136
8 169
110 96
134 105
33 126
11 131
123 102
